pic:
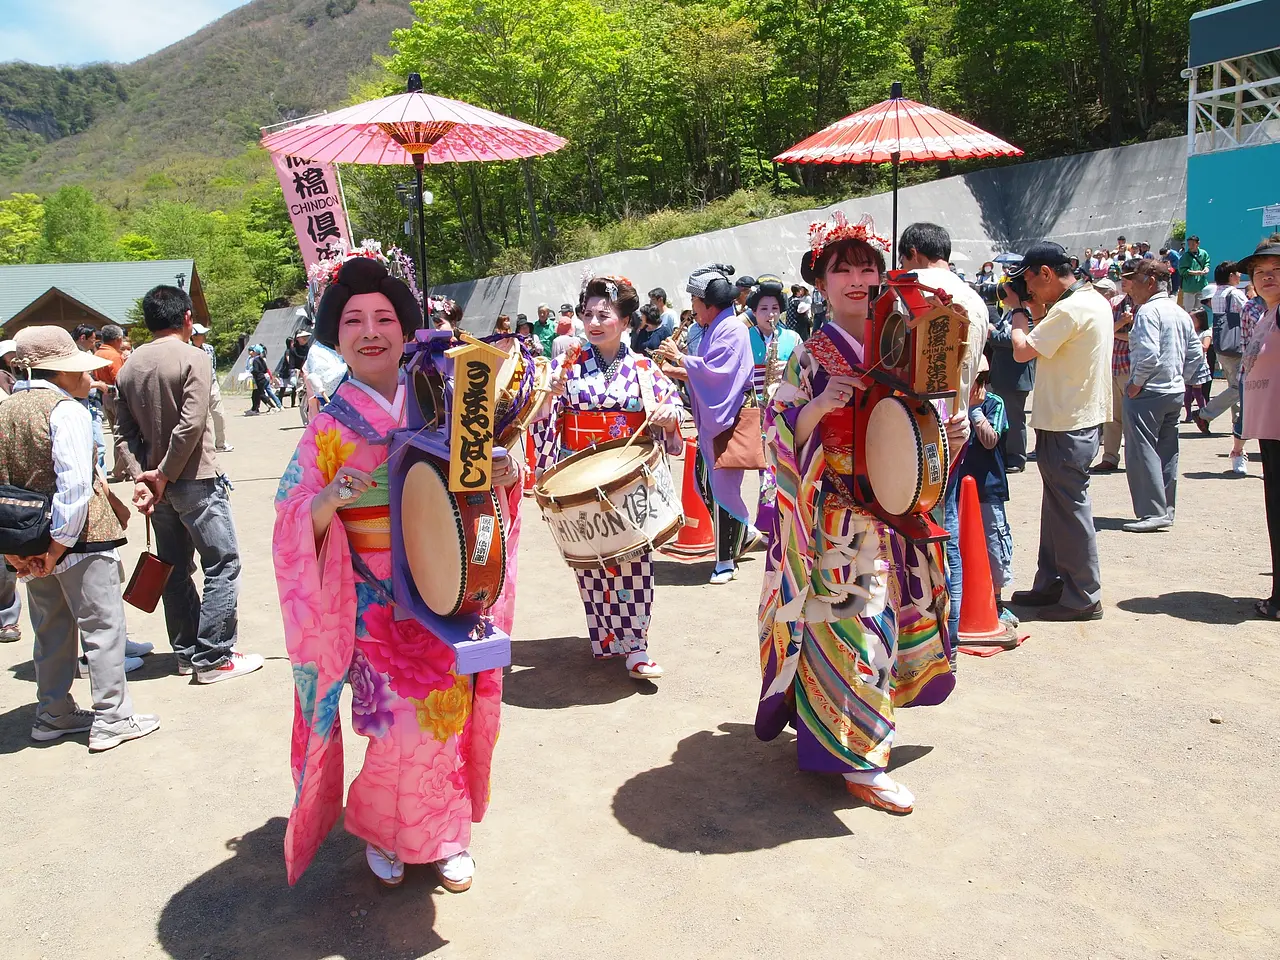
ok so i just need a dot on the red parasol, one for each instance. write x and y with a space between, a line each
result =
412 127
895 130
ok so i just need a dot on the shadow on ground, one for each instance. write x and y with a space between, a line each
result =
244 909
1110 523
727 792
560 672
1195 606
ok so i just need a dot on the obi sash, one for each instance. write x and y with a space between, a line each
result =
582 428
368 518
837 357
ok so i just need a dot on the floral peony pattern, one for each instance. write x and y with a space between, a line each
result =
331 453
445 712
371 698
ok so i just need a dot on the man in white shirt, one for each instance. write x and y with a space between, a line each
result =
1071 344
925 249
73 584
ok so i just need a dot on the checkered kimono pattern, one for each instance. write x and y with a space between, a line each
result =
617 600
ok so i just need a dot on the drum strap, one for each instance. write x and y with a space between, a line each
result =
361 570
353 420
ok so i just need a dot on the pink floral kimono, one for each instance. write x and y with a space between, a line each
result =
431 732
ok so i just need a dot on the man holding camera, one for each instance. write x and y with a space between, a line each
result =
1070 340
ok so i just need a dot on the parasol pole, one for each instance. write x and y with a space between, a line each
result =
893 238
895 93
422 235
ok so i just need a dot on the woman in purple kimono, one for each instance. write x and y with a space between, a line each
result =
850 610
431 730
720 376
603 393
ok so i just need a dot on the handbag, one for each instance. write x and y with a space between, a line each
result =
26 518
739 447
151 574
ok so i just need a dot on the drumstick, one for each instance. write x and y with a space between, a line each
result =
570 357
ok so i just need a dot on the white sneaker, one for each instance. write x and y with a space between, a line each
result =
225 448
1239 465
456 872
138 648
236 665
51 728
108 736
130 664
387 867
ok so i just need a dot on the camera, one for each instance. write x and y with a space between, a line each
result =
1018 285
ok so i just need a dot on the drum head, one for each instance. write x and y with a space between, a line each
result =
432 541
893 456
589 469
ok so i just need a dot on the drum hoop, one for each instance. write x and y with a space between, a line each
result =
920 471
462 535
545 499
631 553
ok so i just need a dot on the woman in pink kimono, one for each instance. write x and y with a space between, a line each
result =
431 731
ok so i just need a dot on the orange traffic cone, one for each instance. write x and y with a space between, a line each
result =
980 622
697 538
530 459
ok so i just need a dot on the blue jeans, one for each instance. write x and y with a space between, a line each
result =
955 576
195 517
99 441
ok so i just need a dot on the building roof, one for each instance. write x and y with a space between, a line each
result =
1239 29
107 289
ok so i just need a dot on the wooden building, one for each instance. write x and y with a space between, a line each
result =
69 294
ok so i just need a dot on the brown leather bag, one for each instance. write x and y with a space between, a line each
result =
149 577
740 448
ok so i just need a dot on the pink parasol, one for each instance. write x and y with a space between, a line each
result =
412 127
894 130
400 129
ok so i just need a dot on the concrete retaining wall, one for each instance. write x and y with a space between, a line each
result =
1080 201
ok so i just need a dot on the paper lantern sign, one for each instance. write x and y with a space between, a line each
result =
475 400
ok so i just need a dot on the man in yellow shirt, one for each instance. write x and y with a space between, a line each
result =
1071 343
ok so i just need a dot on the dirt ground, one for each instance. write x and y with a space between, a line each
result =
1074 799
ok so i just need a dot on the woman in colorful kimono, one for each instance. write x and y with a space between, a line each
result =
771 347
431 731
601 393
850 609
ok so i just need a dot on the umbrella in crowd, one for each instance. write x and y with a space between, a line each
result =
895 130
1007 258
412 127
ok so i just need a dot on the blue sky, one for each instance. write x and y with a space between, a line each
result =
62 32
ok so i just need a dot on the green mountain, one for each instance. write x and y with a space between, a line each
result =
168 123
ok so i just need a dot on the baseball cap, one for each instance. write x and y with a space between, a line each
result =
1105 287
199 329
566 308
1046 253
7 347
745 282
1130 266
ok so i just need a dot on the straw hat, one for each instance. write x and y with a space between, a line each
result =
51 348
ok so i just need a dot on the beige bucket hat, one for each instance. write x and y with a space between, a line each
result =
51 348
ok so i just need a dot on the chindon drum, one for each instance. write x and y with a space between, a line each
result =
906 455
455 543
610 503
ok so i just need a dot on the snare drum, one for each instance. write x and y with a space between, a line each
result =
455 543
610 503
906 455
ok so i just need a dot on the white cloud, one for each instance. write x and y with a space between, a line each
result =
82 31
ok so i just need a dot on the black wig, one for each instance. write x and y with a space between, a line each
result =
364 275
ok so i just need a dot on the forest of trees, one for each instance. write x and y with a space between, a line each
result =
673 110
